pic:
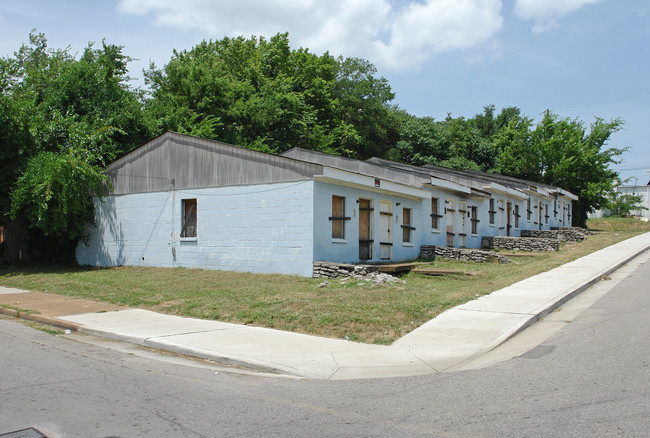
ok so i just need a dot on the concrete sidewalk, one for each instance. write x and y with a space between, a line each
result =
454 337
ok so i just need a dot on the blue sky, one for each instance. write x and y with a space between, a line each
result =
579 58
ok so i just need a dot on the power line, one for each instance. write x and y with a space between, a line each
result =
635 168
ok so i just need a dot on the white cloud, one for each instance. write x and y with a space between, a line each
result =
546 13
437 26
396 34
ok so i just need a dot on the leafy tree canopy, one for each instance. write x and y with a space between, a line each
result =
623 205
65 118
261 94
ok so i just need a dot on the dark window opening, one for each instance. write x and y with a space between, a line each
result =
188 228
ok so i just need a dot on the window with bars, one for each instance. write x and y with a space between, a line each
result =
188 225
338 217
407 225
435 213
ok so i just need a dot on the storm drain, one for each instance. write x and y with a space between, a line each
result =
24 433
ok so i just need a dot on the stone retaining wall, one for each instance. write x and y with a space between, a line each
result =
335 270
564 234
574 234
532 244
428 252
473 255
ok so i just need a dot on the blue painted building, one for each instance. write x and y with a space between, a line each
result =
189 202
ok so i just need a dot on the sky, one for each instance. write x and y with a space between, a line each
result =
579 58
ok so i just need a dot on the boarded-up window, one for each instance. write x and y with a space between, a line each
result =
338 217
407 225
492 212
188 226
474 219
435 213
516 216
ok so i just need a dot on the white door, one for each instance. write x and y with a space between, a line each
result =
385 230
450 216
462 224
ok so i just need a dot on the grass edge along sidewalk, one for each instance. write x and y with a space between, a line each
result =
345 309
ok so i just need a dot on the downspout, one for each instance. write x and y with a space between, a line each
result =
172 185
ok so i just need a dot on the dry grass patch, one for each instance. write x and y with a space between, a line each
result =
345 309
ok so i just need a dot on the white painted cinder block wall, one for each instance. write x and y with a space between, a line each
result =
261 228
347 250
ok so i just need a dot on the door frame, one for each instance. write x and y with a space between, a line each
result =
385 223
366 209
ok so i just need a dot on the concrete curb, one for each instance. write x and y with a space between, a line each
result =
49 320
525 323
577 291
187 351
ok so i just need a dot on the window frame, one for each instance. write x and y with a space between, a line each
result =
338 218
191 223
435 214
407 226
515 212
474 220
492 212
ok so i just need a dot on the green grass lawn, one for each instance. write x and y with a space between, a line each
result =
352 309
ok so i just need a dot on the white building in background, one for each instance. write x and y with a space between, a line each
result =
643 192
634 190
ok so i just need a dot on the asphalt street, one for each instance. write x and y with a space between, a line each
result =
590 378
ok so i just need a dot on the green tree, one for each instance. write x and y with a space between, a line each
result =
63 119
261 94
623 205
561 152
363 103
422 140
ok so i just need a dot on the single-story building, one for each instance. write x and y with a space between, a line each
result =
190 202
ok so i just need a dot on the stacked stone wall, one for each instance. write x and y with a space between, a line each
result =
574 234
428 252
472 255
531 244
335 270
564 235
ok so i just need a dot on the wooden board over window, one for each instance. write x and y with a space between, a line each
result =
407 228
435 215
338 217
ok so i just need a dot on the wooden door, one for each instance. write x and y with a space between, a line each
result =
365 229
508 215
